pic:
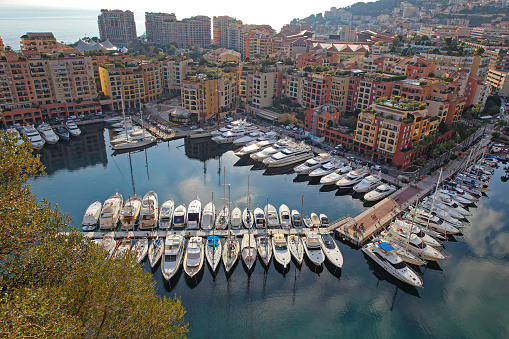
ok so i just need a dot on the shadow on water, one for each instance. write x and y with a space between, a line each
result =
358 195
229 274
433 265
312 267
173 282
333 269
194 281
243 161
213 273
314 181
328 188
343 191
280 268
370 203
258 166
278 170
382 274
247 270
300 178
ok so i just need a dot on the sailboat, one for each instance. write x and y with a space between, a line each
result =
296 247
209 215
247 215
248 249
141 249
223 218
155 251
231 250
263 239
135 142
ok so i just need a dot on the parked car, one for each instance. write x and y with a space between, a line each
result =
384 171
376 167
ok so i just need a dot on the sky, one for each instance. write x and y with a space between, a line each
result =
274 13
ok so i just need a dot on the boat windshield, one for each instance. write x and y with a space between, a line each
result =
170 258
193 217
280 247
178 219
398 265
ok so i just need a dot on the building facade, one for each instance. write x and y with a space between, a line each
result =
164 28
118 26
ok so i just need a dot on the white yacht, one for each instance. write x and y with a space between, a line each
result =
14 132
380 192
433 221
48 134
324 220
453 204
315 220
280 250
179 216
223 218
313 248
268 151
296 248
248 250
149 211
236 219
259 218
455 196
254 147
289 156
296 219
284 217
130 213
91 216
134 143
233 134
230 252
141 249
352 178
110 212
271 216
247 218
209 216
166 214
408 226
405 255
31 133
243 140
71 127
62 133
442 210
331 250
326 168
307 221
109 243
263 243
173 252
213 251
155 251
414 243
193 259
311 164
384 255
367 184
332 178
194 214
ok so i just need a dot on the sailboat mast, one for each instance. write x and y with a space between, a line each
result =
435 195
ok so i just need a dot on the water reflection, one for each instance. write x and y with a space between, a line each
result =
87 150
204 148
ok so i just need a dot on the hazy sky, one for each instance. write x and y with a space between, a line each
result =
275 13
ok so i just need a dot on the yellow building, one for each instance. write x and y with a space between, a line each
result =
499 82
206 97
339 91
42 42
2 47
259 42
220 29
173 72
135 85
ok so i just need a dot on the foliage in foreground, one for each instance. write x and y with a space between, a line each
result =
63 286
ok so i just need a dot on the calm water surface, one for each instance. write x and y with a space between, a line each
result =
463 297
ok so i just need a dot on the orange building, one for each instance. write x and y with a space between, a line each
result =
319 58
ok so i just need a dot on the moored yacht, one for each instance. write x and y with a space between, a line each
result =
296 248
408 226
209 216
284 217
271 216
289 156
352 178
173 252
166 214
315 219
248 250
194 214
193 259
110 212
247 218
31 133
254 147
311 164
259 218
179 216
263 243
280 249
141 249
155 250
48 134
367 184
236 218
380 192
414 243
130 212
296 219
332 178
123 248
71 127
223 218
62 133
149 211
331 250
313 248
326 168
230 252
324 220
91 216
384 255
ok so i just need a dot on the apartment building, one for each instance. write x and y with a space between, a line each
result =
42 42
365 88
292 86
318 58
317 119
264 87
259 42
387 133
339 91
499 82
133 85
220 25
316 90
164 28
207 97
475 64
33 88
499 59
118 26
174 72
158 29
221 55
292 44
236 38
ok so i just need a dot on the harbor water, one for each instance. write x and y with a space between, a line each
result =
463 297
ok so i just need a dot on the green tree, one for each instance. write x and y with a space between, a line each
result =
55 285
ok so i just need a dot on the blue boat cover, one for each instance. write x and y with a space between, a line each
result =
386 246
212 240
